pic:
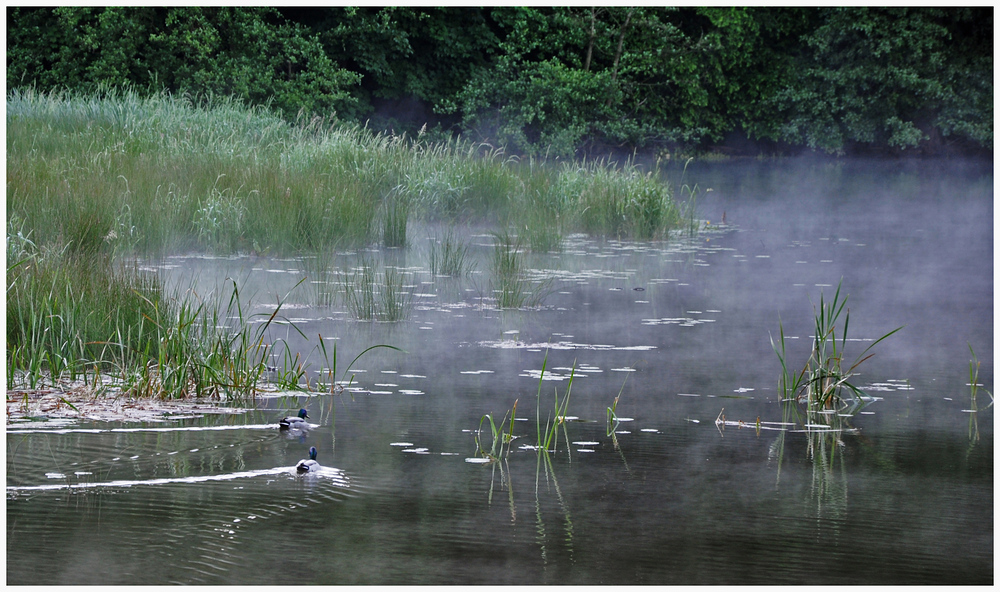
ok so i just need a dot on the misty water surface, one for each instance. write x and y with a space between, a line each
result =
905 496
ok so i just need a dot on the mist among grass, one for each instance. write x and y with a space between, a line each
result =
94 181
124 174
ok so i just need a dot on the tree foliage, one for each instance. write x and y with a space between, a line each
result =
882 76
552 80
247 52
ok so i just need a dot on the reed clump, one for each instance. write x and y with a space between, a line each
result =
72 317
498 437
368 299
74 320
68 314
512 286
449 256
824 381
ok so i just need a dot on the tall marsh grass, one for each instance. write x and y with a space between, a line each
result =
67 314
120 173
76 320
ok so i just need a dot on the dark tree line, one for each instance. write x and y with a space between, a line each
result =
560 80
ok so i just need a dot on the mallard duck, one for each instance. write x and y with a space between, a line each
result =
294 422
309 464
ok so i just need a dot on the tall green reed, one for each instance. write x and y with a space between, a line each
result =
498 437
547 437
974 387
396 214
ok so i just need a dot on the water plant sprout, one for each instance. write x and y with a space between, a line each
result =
824 380
498 436
974 387
612 415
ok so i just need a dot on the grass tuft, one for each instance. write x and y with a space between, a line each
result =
450 257
825 379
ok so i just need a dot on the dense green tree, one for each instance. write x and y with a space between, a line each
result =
247 52
566 77
426 54
882 77
553 80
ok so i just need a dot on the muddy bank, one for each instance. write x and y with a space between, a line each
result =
83 403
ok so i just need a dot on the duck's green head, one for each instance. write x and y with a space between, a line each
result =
312 453
303 413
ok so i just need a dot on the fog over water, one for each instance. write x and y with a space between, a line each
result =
903 495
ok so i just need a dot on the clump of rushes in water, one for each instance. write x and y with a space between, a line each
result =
824 379
974 378
389 301
510 282
449 257
321 271
206 351
75 317
63 310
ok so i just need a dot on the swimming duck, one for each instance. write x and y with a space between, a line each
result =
294 422
305 466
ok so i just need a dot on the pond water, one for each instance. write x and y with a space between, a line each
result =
903 495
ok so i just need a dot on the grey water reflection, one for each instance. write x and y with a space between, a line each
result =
707 479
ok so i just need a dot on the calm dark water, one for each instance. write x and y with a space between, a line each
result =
906 497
